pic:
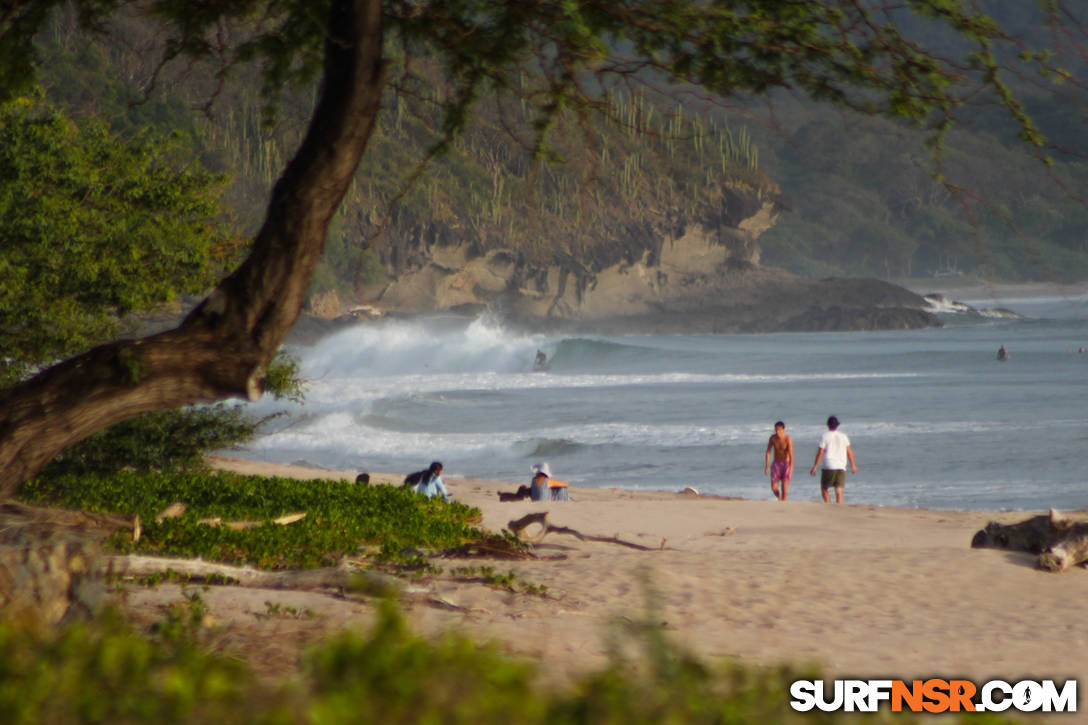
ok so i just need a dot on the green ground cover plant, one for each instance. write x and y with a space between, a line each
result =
340 517
102 671
489 576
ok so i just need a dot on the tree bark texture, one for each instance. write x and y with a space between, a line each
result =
1058 541
222 348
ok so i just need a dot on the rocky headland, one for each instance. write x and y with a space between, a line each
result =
696 275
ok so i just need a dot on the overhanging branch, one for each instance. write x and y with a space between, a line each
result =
223 346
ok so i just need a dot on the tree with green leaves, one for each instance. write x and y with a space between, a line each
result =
555 55
94 228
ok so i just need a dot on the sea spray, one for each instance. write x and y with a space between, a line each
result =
933 419
420 346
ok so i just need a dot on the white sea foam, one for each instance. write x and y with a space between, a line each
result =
933 421
939 304
338 390
420 347
352 369
333 437
345 435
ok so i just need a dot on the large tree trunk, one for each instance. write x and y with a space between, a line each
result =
222 348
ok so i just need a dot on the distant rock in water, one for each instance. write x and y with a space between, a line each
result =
939 304
830 319
771 300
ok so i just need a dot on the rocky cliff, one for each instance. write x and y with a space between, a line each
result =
696 275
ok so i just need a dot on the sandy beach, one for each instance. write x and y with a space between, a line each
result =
861 591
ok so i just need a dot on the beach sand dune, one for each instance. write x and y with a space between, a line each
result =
861 591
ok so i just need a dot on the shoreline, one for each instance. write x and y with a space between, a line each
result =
306 470
859 590
961 288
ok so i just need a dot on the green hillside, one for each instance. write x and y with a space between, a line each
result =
865 203
860 190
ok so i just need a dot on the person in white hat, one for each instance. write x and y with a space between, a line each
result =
546 488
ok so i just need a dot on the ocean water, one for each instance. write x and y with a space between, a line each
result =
935 421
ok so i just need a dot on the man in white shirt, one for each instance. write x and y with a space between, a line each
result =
835 452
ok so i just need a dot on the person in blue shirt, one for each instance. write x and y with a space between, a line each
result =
431 485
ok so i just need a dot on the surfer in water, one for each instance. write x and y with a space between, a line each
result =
1002 353
541 362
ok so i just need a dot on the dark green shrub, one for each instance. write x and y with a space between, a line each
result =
176 439
103 673
393 676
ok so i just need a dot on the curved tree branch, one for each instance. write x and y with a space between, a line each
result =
223 346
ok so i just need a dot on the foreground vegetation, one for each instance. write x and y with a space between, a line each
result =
104 672
340 517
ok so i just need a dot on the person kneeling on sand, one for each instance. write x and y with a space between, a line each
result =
546 488
834 451
431 485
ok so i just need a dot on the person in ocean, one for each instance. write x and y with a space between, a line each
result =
1002 353
781 469
431 484
541 362
546 488
835 452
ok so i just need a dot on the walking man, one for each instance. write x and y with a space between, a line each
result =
781 469
835 452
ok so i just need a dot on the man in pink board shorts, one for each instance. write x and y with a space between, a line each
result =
781 469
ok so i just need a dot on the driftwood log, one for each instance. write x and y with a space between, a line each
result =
332 577
178 508
1058 541
523 493
519 528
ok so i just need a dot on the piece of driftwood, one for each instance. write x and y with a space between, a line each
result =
486 550
178 508
1058 541
333 577
518 528
523 493
240 525
172 511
